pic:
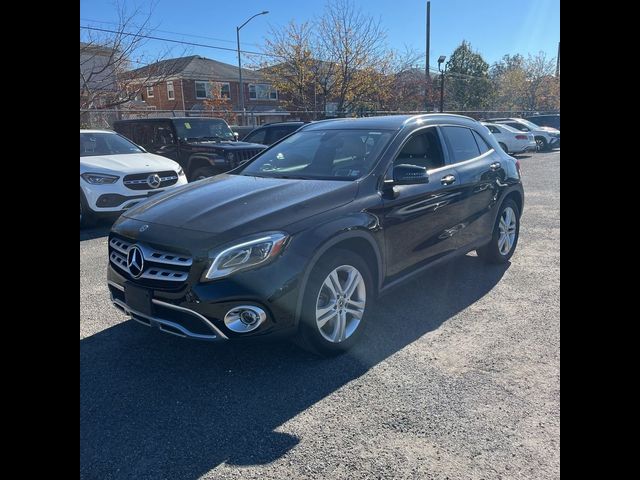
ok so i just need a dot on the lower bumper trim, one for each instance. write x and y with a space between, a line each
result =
169 326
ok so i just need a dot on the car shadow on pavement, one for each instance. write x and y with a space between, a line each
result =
157 406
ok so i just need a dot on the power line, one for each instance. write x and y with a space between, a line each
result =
173 33
204 45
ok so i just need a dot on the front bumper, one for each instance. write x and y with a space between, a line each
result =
197 309
115 198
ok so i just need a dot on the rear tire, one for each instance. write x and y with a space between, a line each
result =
202 173
332 323
505 235
504 147
541 144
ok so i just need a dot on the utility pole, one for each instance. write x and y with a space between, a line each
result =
441 60
558 62
427 86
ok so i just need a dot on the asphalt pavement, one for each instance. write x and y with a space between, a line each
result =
457 378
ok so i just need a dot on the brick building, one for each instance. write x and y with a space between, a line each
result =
190 82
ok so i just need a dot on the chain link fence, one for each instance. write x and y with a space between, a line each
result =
103 119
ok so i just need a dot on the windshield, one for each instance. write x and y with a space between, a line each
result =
92 144
203 129
322 154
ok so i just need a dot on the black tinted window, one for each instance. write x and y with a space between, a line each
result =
277 133
518 126
482 143
256 137
461 143
423 150
493 129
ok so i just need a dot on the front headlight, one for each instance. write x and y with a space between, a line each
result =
99 178
246 255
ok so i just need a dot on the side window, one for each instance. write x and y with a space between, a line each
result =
256 137
423 149
162 134
461 143
143 134
277 133
481 142
493 129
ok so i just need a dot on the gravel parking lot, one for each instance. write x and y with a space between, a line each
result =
458 378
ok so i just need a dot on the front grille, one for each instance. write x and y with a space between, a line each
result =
139 181
242 155
160 269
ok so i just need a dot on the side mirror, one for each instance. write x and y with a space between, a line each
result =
409 174
236 135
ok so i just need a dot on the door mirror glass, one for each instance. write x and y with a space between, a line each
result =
409 174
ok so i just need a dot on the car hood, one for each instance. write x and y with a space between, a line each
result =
129 163
240 205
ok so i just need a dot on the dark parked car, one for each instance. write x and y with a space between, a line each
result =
272 132
546 120
303 238
202 146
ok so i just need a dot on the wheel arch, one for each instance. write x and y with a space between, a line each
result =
358 241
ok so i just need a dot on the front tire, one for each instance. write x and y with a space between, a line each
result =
336 301
505 235
87 218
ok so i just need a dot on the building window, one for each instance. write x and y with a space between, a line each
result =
202 89
262 91
225 90
171 94
149 92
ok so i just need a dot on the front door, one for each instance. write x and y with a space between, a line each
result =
420 221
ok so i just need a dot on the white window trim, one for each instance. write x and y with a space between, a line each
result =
269 99
171 90
150 89
205 89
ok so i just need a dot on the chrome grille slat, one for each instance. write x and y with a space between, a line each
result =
157 263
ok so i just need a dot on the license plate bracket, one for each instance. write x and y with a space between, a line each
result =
138 298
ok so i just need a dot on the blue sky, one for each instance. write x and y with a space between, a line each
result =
494 27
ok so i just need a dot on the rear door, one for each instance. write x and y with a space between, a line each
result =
478 166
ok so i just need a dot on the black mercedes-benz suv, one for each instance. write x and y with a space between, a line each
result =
305 236
202 146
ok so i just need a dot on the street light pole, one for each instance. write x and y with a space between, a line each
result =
441 60
240 88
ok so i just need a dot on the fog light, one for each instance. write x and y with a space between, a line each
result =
244 318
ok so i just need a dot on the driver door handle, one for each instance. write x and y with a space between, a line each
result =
447 180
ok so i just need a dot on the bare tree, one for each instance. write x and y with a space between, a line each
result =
355 43
542 87
107 55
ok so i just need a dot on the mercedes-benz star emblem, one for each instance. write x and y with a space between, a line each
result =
154 180
135 261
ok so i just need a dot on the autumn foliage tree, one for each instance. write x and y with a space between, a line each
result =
220 106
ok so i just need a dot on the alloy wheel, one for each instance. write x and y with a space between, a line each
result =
507 227
340 304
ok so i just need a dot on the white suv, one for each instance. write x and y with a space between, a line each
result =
116 174
546 137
